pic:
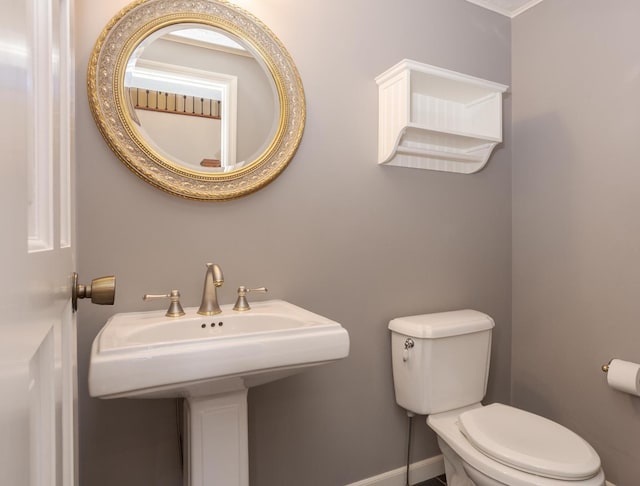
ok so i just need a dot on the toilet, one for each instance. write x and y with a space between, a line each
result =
440 369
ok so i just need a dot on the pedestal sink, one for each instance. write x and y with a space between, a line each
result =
211 362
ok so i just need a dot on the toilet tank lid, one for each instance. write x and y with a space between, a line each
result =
442 324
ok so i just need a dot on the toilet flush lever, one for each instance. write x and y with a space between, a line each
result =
408 345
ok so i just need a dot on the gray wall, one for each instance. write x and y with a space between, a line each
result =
335 233
576 231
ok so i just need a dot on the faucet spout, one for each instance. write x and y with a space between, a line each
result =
212 280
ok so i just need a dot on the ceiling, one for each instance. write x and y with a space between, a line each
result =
509 8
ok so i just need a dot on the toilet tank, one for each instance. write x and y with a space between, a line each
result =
447 366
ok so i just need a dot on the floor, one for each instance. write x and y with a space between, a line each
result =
439 481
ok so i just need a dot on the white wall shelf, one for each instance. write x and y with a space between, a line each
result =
433 118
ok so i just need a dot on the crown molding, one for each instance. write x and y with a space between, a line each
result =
507 12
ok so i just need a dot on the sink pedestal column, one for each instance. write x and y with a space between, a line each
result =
217 440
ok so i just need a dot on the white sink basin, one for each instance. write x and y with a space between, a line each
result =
211 362
148 355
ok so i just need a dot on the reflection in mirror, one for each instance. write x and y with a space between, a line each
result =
201 98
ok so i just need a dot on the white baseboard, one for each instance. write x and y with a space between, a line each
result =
418 472
607 483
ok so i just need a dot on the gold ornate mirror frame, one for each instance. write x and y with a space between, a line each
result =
106 92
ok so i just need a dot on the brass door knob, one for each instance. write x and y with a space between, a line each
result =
102 291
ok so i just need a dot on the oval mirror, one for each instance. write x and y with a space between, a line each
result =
198 98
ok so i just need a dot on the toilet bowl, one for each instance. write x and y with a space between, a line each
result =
493 452
440 369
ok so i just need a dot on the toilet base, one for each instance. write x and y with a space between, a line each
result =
480 478
467 466
454 467
460 473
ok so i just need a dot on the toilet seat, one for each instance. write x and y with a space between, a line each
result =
529 443
446 426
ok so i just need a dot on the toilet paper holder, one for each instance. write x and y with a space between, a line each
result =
623 376
605 367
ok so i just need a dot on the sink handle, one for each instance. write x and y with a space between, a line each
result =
242 304
175 308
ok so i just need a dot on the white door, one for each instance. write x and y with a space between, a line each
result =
37 327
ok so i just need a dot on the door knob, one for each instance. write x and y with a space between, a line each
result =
102 291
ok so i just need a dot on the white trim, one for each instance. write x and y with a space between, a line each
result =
607 483
67 118
41 108
418 472
511 13
182 80
221 47
527 6
207 37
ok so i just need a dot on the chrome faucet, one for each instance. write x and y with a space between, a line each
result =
212 280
